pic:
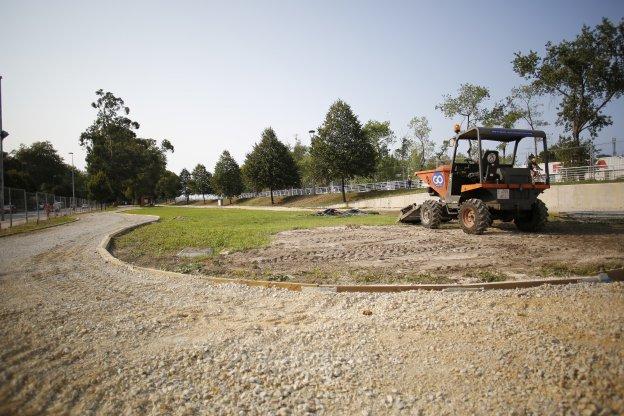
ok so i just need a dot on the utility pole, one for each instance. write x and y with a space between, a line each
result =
2 136
614 152
73 189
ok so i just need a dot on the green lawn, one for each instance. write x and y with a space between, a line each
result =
32 225
221 229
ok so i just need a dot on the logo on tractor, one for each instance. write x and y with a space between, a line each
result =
438 179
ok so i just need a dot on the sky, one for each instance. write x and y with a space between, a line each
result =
210 76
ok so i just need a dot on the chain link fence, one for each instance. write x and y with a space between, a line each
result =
22 207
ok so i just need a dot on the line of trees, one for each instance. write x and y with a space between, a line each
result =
584 75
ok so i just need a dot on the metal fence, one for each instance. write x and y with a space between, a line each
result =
336 188
587 173
22 207
562 174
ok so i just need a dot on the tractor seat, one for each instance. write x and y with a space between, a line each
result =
490 162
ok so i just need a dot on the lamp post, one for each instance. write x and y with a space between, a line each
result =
73 188
314 181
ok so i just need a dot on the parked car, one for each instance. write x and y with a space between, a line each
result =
85 206
9 208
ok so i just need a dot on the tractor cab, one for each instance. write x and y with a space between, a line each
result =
485 182
486 158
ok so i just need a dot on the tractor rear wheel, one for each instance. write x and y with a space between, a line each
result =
431 214
474 216
533 220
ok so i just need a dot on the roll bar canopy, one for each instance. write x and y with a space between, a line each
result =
499 134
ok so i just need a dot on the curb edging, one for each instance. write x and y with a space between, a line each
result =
104 246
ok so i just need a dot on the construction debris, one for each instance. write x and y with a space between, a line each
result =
346 213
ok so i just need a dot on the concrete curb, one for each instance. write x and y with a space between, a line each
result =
103 250
38 229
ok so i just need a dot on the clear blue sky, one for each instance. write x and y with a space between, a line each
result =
210 76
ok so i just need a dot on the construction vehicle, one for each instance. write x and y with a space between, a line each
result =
477 192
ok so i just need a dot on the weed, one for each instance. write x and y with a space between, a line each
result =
488 276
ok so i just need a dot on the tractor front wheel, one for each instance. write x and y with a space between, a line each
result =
431 214
533 220
474 216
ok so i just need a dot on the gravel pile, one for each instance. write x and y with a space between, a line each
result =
80 336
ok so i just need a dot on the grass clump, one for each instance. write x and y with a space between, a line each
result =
488 276
590 269
33 226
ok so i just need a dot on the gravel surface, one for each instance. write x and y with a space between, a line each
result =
80 336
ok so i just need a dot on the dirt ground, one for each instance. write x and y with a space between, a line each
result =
413 254
82 336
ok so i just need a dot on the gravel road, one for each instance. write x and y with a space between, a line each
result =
80 336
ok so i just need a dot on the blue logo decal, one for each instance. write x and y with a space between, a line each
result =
438 179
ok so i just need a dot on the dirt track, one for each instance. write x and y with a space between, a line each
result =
79 336
408 253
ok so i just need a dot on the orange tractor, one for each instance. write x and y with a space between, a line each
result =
477 192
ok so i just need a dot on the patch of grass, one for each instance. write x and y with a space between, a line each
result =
589 269
222 229
32 226
488 276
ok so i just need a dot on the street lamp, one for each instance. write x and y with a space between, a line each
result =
73 189
311 133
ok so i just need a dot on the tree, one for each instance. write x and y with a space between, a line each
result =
523 101
99 187
38 167
467 104
132 165
270 164
403 152
420 130
382 138
168 186
440 154
201 181
586 73
186 184
340 149
227 179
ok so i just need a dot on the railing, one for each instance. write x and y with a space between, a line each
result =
334 189
587 173
22 207
571 174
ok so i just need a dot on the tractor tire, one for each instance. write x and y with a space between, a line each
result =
474 216
533 220
431 214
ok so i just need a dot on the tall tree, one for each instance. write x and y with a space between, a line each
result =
38 167
420 131
168 186
132 165
524 101
270 164
186 184
403 152
467 104
100 188
202 181
227 179
586 73
341 149
382 137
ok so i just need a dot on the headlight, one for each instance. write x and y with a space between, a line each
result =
491 158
